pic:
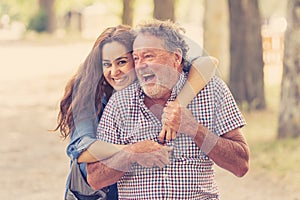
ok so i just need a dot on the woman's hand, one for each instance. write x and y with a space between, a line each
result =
149 153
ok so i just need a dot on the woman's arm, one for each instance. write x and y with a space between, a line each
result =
99 150
202 70
147 153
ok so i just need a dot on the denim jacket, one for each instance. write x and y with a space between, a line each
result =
82 137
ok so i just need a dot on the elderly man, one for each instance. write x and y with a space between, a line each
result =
208 130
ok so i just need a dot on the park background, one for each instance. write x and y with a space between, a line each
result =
42 42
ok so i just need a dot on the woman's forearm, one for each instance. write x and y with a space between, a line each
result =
98 151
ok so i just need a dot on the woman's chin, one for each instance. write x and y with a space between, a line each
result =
121 85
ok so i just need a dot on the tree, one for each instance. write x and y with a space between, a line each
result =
128 8
47 7
289 113
216 33
164 10
246 56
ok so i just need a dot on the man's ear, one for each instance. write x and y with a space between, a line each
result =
178 56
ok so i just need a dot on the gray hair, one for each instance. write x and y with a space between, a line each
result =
171 33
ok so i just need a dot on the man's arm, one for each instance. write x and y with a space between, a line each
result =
100 176
229 151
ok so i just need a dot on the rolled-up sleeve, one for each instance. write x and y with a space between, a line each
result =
82 137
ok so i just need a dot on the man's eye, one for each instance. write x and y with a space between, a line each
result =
135 58
148 55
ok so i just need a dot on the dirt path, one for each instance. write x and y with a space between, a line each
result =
33 161
255 185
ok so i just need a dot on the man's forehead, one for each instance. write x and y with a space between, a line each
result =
148 49
147 41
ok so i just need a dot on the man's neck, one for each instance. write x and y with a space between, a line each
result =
150 101
156 106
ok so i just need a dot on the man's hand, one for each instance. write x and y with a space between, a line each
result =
179 119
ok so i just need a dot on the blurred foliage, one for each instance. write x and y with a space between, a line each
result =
63 6
18 10
38 22
23 11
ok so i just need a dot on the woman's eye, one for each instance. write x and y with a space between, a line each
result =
122 62
106 64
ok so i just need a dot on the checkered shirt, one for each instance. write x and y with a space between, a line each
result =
190 174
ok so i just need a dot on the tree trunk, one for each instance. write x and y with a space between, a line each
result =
289 113
246 59
128 8
47 6
216 33
164 9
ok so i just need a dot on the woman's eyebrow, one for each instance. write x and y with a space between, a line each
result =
122 57
118 58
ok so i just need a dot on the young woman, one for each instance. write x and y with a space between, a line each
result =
108 67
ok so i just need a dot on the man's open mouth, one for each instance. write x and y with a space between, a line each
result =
148 77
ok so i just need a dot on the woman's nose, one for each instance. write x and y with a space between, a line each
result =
114 70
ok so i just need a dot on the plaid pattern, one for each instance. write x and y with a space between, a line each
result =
190 174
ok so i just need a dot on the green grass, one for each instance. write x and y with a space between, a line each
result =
277 156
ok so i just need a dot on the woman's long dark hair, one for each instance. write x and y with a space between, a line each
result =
85 90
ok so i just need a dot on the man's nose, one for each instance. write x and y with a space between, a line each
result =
140 64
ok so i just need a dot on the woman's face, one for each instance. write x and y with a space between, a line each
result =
118 66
